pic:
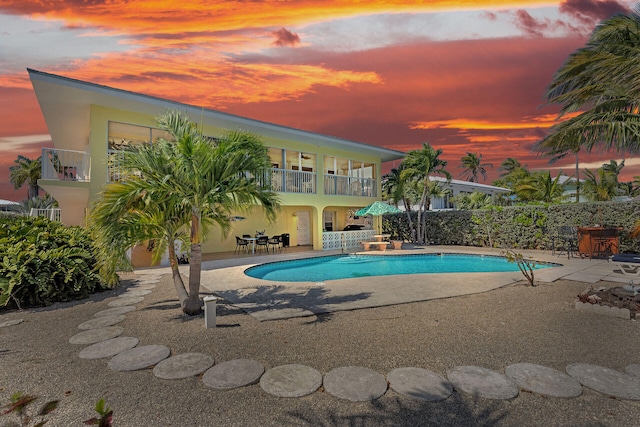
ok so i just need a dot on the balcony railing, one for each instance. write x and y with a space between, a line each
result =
52 214
66 165
289 181
349 186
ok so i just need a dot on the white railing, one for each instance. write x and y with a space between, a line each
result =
114 171
66 165
288 181
350 186
345 239
52 214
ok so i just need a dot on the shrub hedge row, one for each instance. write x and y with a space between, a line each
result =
43 261
523 227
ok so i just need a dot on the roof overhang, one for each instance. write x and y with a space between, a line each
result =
66 105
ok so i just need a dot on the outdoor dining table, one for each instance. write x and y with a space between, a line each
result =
381 237
253 243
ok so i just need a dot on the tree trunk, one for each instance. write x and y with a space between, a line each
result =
193 304
177 278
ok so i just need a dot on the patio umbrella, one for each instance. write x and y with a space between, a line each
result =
377 209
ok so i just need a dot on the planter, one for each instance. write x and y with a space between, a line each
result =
396 244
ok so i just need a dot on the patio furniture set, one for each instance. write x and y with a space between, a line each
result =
381 243
262 242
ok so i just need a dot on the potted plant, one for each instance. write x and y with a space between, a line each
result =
396 243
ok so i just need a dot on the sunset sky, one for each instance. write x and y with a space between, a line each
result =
465 76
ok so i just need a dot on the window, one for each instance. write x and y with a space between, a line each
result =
329 218
121 135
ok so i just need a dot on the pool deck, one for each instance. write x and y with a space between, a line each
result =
269 300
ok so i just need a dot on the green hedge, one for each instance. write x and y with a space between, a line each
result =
42 262
523 227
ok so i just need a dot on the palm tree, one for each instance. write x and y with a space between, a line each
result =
600 186
473 166
541 187
474 200
202 183
596 79
508 166
26 170
417 167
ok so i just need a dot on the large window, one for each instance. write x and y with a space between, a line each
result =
123 134
348 167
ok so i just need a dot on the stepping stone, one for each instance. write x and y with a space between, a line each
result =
606 381
96 335
101 322
542 380
233 374
11 322
633 370
135 293
482 382
420 384
119 302
183 366
149 281
355 383
291 381
115 311
144 287
139 357
108 348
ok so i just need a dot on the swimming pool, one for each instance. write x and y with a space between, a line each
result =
336 267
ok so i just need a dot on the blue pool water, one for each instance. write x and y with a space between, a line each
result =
349 266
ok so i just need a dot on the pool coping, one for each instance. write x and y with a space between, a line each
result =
270 300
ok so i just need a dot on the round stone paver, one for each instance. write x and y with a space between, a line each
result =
11 322
355 383
108 348
233 374
606 381
291 380
115 310
482 382
119 302
93 336
139 357
135 293
420 384
183 366
101 322
542 380
633 370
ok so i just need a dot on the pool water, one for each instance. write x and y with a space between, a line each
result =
337 267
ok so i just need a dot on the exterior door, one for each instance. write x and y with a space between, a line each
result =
304 228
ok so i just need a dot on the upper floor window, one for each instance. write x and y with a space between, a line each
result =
292 160
348 167
121 135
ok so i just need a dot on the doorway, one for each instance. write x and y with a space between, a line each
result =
303 228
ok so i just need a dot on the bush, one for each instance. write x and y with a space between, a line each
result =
43 261
522 227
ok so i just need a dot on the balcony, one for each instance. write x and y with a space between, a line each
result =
338 185
65 165
290 181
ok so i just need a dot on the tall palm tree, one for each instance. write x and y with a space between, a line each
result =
418 165
29 171
207 181
596 80
508 166
473 166
541 187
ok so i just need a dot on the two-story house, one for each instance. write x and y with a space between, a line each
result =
321 180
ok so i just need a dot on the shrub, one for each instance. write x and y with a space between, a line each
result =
43 261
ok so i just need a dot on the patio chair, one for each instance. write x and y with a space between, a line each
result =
241 243
262 242
568 240
629 263
604 242
274 242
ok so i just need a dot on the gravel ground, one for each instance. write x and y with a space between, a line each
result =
492 330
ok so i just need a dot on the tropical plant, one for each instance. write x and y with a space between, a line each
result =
203 183
473 200
417 167
46 202
473 166
42 262
600 185
26 170
525 265
508 166
596 79
542 188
